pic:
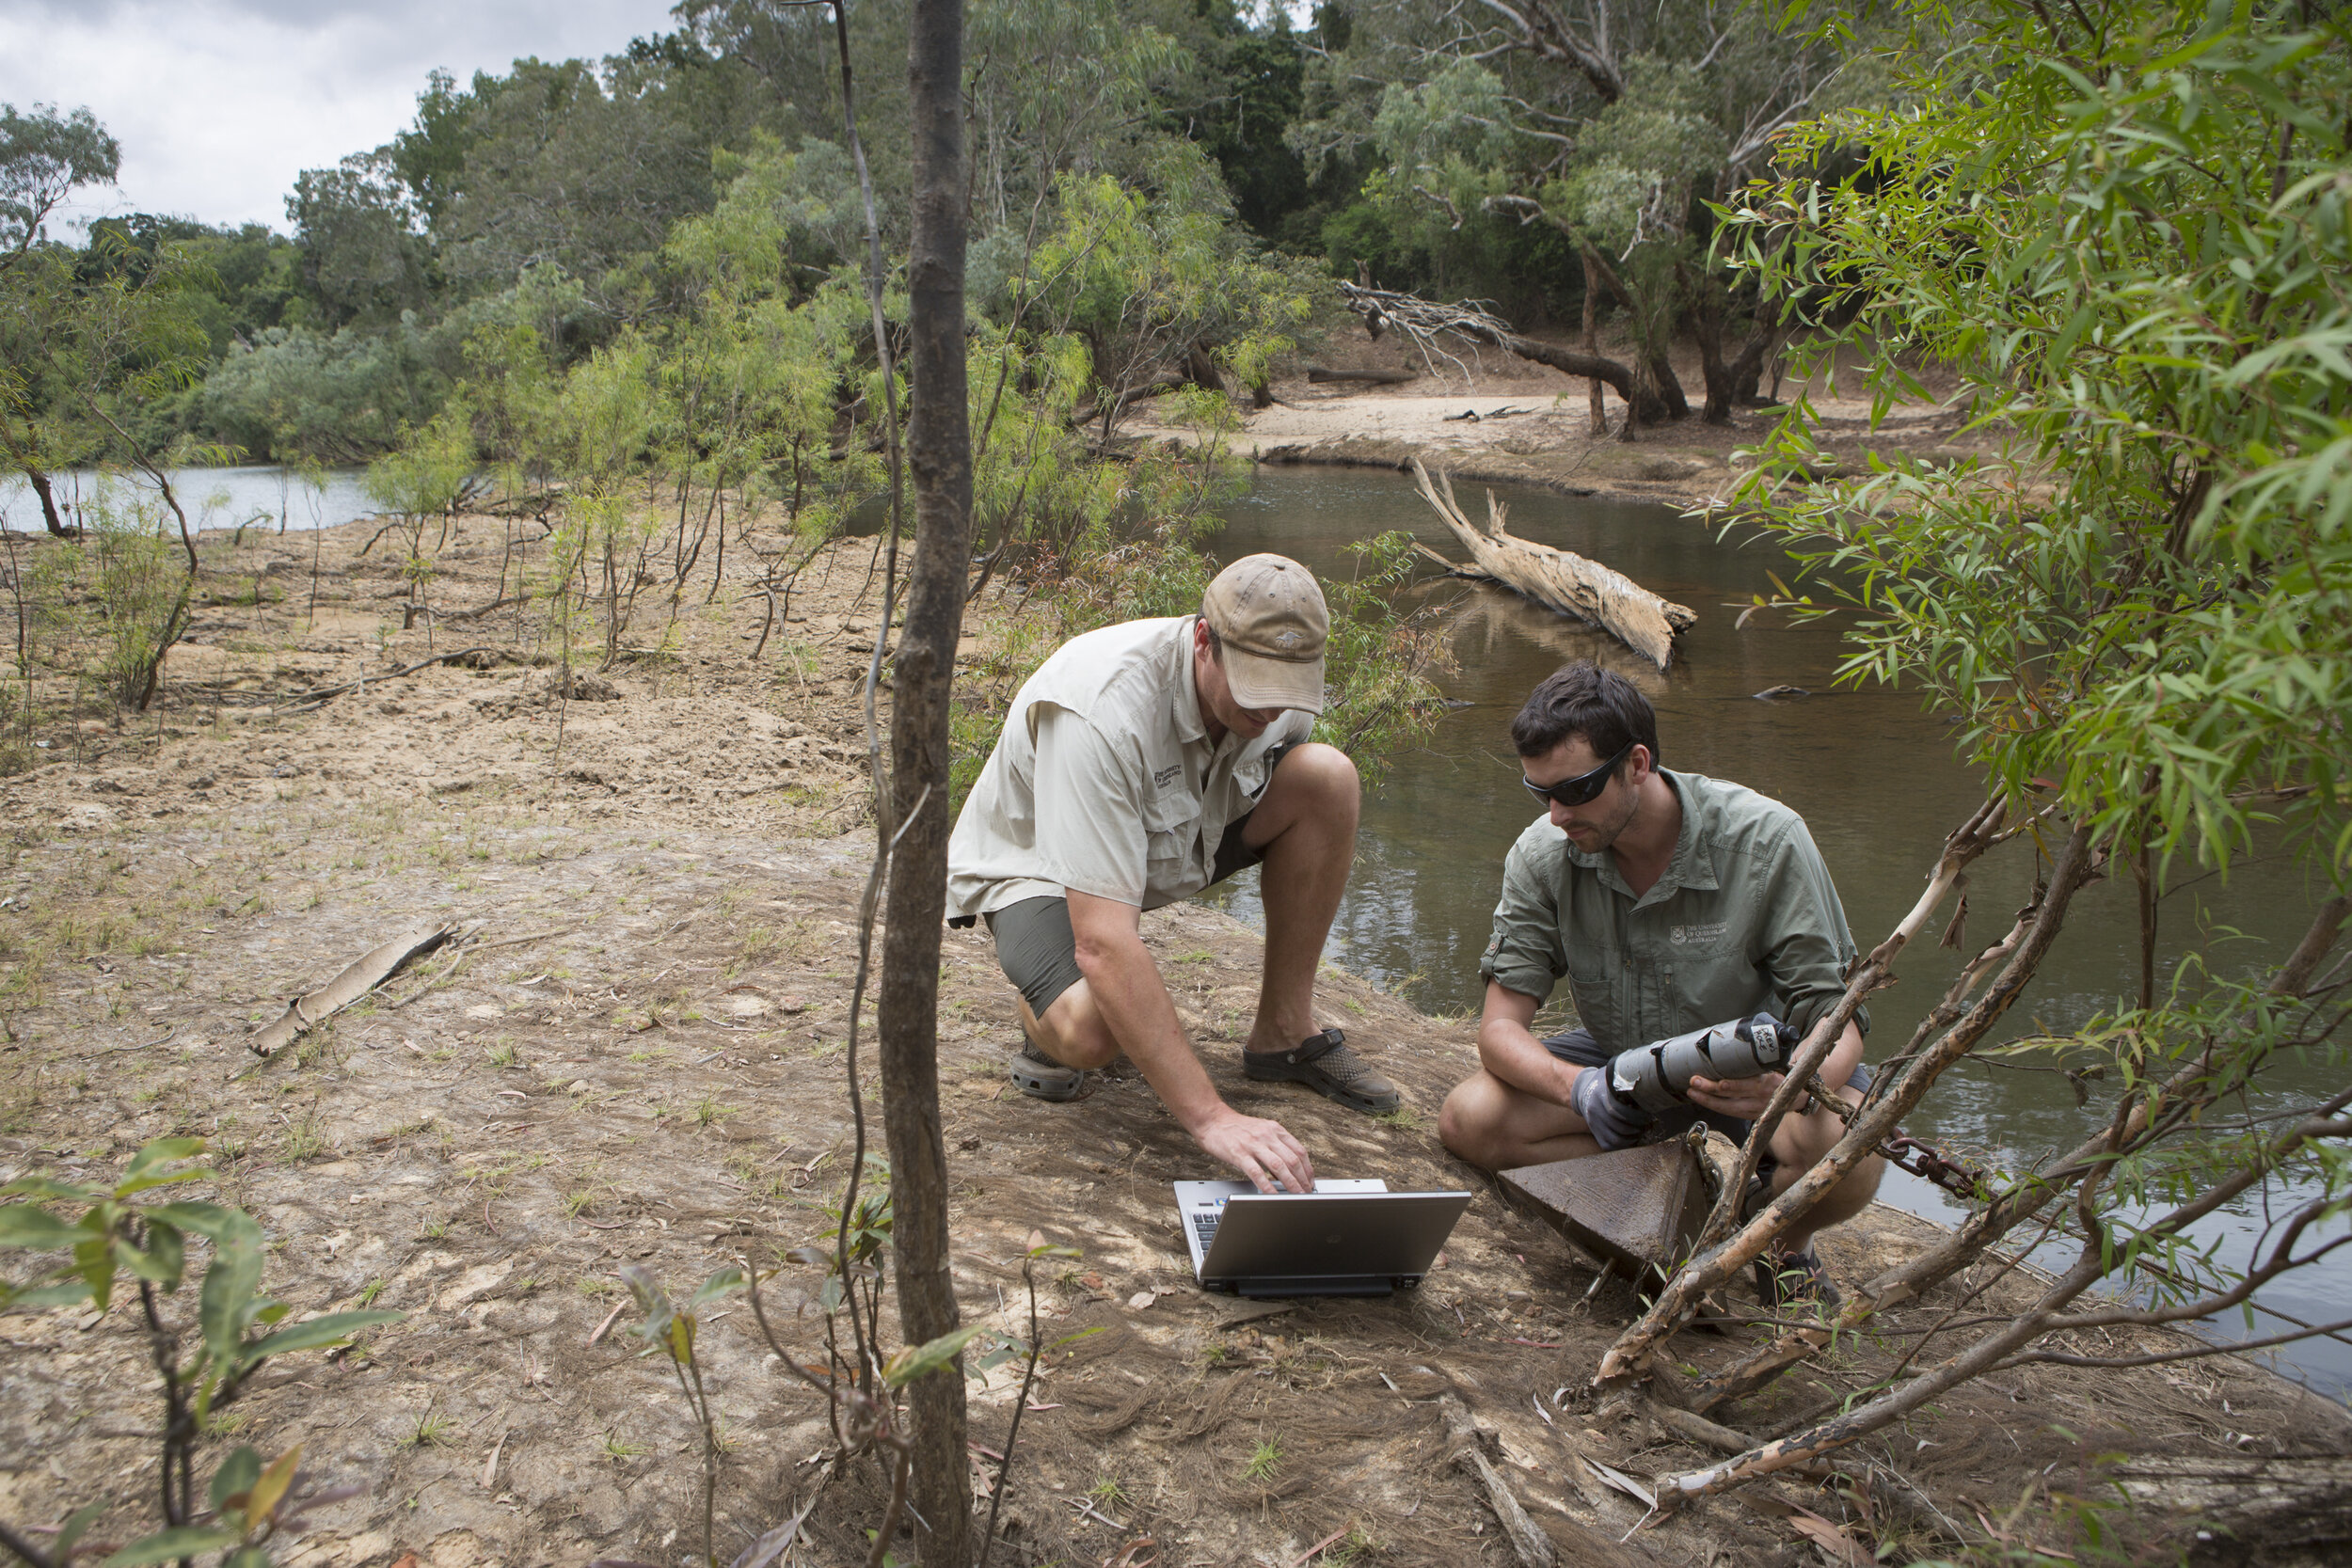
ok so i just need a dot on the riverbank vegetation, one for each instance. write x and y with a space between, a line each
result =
634 594
2127 230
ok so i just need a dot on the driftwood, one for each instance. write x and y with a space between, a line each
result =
1559 579
371 970
1381 378
1467 1446
2274 1502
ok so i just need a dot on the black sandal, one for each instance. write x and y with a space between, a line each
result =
1325 1065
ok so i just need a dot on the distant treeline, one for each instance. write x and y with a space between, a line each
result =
1491 156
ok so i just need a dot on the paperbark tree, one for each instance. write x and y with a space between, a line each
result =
939 452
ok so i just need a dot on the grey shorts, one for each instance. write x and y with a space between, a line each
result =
1578 1046
1035 946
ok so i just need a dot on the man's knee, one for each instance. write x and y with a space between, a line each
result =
1843 1202
1853 1195
1469 1118
1324 775
1073 1030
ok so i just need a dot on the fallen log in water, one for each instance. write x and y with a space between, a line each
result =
1558 580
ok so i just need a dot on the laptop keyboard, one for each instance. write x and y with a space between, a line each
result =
1205 1226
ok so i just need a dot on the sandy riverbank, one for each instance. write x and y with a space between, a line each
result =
639 1057
1507 421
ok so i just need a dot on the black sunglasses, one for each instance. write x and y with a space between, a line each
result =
1583 788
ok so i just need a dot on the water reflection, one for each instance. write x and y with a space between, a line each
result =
263 495
1874 777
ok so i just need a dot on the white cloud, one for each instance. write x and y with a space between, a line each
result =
219 103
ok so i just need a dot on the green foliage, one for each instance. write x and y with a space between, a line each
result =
1069 110
117 1238
1377 694
1144 278
44 157
2165 632
108 605
1505 147
2129 245
428 474
363 262
297 392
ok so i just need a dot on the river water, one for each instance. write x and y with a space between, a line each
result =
263 494
1875 777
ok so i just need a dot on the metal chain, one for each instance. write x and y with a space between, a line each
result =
1961 1177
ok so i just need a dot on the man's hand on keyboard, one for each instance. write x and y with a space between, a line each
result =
1262 1151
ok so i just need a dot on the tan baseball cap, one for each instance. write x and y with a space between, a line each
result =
1268 613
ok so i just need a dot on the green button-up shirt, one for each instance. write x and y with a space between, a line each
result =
1744 920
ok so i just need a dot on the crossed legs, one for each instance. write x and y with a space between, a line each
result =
1496 1127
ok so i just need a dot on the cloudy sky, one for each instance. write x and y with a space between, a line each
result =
219 104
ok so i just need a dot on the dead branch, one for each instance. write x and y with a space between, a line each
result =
1427 323
1467 1444
1676 1304
1560 579
1996 1348
1988 1225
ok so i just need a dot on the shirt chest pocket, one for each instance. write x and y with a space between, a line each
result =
1593 977
1171 829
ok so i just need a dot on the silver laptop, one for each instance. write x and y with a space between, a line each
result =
1346 1237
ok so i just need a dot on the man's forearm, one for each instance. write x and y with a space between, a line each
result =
1512 1053
1133 1001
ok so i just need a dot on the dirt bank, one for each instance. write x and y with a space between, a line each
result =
638 1055
1499 420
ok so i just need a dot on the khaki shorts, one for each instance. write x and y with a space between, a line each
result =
1039 952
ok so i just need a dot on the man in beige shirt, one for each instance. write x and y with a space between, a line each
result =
1140 764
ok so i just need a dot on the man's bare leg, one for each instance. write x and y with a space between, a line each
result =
1073 1031
1306 825
1797 1143
1496 1127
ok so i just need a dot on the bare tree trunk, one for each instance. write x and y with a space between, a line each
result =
1200 369
1735 380
939 454
1590 344
39 482
21 457
1660 390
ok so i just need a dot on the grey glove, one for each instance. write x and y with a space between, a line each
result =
1614 1123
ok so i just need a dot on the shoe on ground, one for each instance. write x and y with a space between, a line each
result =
1041 1077
1796 1279
1325 1065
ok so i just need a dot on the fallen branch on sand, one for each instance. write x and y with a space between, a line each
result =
1558 580
363 975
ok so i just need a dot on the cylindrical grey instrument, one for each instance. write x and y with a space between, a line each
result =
1657 1077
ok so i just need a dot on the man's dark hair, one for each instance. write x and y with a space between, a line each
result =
1609 711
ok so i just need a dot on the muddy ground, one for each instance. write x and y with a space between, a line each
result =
636 1053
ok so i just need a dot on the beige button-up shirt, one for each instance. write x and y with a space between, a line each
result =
1106 780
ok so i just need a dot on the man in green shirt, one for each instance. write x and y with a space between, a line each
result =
1669 902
